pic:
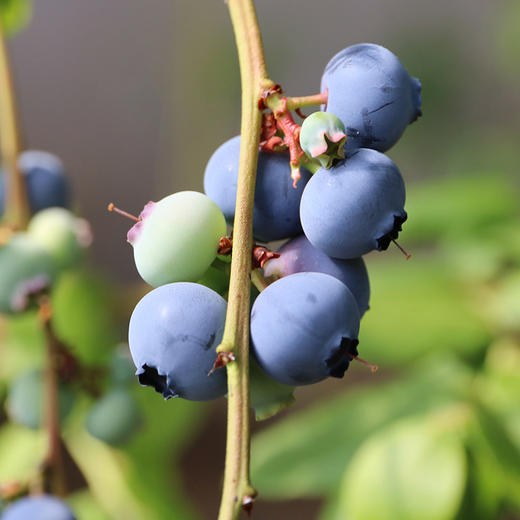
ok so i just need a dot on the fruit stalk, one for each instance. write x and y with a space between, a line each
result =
53 466
16 203
237 490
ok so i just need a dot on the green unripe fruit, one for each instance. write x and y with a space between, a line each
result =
115 417
63 235
25 400
122 369
25 269
177 238
322 137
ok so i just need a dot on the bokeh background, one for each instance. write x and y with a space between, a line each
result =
135 96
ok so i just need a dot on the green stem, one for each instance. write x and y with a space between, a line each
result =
16 203
258 280
237 489
307 101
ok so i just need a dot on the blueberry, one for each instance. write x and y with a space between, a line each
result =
275 214
25 269
177 238
174 331
304 328
115 417
373 94
355 207
299 255
63 235
47 184
38 507
25 400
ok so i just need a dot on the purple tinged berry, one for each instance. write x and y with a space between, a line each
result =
355 207
174 331
373 94
38 507
304 328
276 208
299 255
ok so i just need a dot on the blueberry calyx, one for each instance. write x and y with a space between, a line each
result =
135 230
149 376
384 241
340 359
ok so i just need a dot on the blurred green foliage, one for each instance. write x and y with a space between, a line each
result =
15 14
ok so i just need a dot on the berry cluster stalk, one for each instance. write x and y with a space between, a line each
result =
16 203
237 491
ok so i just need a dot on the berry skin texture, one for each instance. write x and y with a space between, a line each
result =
355 207
174 331
63 235
299 255
177 238
46 179
275 214
304 328
115 417
25 268
38 507
373 94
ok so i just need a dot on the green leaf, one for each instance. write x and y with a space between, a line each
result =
21 452
458 205
306 454
417 308
504 304
409 471
83 316
84 505
268 397
16 14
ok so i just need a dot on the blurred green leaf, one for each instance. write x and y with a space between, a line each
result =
16 14
21 452
306 454
83 316
85 507
457 205
22 344
504 303
268 397
417 308
409 471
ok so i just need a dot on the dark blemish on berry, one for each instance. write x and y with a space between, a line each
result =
210 342
341 357
311 298
151 377
381 107
384 241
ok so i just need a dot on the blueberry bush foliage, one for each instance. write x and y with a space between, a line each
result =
434 434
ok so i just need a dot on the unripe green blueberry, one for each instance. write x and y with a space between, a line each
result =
25 400
25 269
322 137
63 235
115 417
177 238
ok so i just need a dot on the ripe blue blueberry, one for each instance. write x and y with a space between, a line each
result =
299 255
174 331
46 181
304 328
38 507
177 238
25 269
275 214
373 94
355 207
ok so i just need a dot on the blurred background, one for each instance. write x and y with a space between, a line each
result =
135 96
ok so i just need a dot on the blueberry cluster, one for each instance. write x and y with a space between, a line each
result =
348 200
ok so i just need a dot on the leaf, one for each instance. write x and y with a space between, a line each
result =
504 304
84 506
416 308
21 452
457 205
83 316
306 454
408 471
268 397
16 14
